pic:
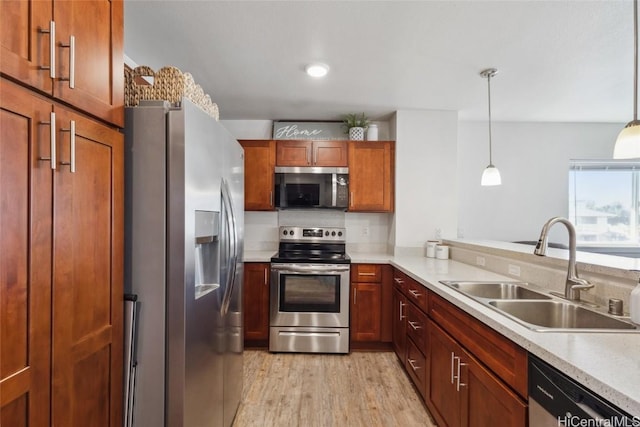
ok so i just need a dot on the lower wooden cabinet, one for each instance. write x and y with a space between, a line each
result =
462 392
61 239
256 302
370 305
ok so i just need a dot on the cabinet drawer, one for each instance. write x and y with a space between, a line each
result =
417 293
417 326
501 355
400 280
363 273
416 365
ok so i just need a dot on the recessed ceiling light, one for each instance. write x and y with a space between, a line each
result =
317 70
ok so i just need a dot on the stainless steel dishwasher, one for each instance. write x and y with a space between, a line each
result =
557 400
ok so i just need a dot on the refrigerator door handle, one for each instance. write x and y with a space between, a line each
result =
233 243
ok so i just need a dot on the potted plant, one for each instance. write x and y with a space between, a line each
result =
355 125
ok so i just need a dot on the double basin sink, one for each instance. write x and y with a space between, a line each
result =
538 310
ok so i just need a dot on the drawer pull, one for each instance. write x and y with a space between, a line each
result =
413 365
398 280
366 274
415 293
415 325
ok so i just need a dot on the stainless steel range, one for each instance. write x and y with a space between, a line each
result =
310 291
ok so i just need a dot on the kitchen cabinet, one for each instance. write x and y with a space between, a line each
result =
462 392
256 303
399 324
56 49
311 153
63 213
371 308
259 164
371 176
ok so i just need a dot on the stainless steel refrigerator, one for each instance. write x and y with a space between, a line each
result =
184 242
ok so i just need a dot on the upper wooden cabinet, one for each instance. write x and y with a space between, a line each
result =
371 176
311 153
259 164
72 50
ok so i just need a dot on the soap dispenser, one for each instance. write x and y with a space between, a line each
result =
634 304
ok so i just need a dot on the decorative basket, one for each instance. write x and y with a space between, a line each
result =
169 84
356 133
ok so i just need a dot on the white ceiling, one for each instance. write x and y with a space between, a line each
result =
558 60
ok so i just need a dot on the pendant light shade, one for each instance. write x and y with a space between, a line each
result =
628 142
491 174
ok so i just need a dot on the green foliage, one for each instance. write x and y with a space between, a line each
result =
354 120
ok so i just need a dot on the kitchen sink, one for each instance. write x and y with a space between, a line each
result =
559 315
497 290
537 310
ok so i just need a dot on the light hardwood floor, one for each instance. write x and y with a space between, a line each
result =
359 389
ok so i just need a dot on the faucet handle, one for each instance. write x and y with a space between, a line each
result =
580 284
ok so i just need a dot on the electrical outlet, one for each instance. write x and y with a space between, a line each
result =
480 261
514 270
438 233
365 230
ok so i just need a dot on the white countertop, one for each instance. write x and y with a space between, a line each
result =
606 363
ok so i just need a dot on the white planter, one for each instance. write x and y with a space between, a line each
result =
372 133
356 134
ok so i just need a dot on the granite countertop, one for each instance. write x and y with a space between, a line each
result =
606 363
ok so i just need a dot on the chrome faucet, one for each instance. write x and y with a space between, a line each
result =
574 284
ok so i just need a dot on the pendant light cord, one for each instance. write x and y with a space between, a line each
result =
635 60
489 97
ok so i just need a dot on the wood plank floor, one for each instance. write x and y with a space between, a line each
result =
360 389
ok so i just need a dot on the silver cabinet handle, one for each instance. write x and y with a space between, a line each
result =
413 365
458 383
398 280
52 137
415 325
72 62
453 358
415 293
72 146
52 49
402 316
266 280
366 274
271 198
351 201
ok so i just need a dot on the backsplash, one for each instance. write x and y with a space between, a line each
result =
366 232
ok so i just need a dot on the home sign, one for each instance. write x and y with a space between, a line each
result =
308 130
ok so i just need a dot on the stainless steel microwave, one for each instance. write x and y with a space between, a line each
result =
311 187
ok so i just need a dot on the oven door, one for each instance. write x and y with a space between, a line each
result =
310 295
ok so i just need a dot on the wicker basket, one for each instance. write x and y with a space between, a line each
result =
169 84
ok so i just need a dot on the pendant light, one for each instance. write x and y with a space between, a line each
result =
491 174
628 142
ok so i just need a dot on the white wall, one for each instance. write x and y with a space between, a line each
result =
426 177
533 160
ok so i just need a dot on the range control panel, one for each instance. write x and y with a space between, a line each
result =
313 234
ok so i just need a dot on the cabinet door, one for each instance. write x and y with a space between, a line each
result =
259 164
486 401
399 333
94 59
294 153
330 153
256 301
442 398
25 48
88 275
371 176
366 299
25 261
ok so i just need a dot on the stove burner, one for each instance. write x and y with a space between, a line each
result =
312 245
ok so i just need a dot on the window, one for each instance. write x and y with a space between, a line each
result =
603 202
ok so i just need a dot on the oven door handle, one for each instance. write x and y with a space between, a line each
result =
315 268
